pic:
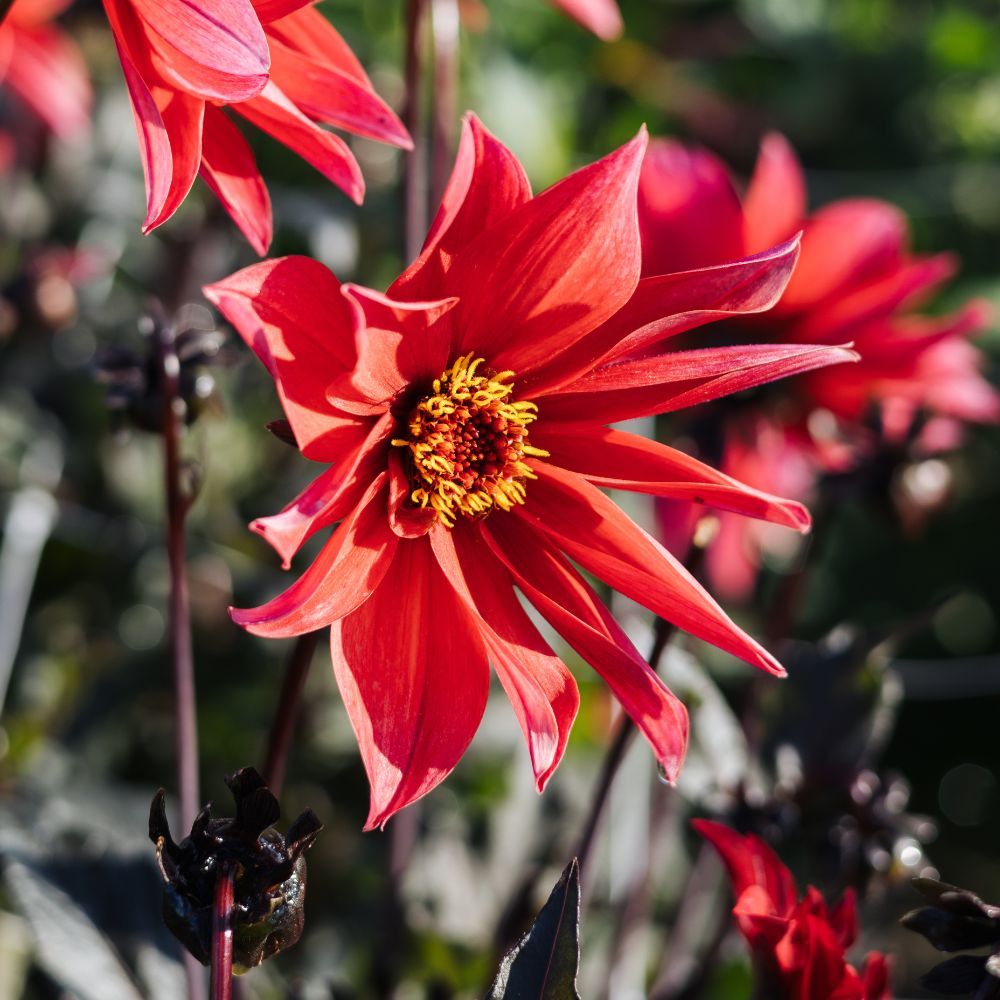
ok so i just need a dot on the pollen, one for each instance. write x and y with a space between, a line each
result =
467 442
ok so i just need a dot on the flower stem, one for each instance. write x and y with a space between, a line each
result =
624 732
222 935
445 24
178 503
415 180
286 714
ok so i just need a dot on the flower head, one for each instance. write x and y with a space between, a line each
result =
277 63
856 282
464 413
798 944
43 67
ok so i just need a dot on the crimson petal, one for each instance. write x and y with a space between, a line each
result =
343 576
617 459
540 688
594 532
602 17
775 202
413 673
565 600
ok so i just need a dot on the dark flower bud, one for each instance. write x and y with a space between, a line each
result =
270 873
958 919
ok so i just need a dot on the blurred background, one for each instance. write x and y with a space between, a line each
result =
876 761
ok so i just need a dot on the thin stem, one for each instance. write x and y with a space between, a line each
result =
624 732
445 25
177 502
415 180
222 934
286 714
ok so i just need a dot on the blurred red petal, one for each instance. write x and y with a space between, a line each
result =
413 675
602 17
775 201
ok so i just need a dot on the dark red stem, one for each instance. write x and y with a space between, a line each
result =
286 714
445 28
415 180
222 935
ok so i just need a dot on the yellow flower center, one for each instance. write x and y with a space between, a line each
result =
467 443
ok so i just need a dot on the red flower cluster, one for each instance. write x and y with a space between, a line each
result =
856 282
464 415
278 63
43 66
798 944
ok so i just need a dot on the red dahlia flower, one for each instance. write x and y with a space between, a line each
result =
798 944
856 281
463 413
602 17
278 63
43 66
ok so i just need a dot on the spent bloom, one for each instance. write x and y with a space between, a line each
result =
858 282
462 416
43 67
798 945
279 64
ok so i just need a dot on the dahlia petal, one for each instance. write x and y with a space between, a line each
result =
273 112
852 240
571 607
154 143
670 304
541 690
291 312
775 201
733 560
331 496
594 532
689 212
602 17
47 72
399 344
326 93
751 862
307 31
32 13
554 269
876 977
413 674
273 10
487 183
669 382
619 460
182 117
406 520
843 918
218 51
343 576
760 926
230 170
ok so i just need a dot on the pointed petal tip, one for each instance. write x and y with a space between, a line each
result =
259 526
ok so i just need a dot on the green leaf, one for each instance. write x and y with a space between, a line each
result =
544 963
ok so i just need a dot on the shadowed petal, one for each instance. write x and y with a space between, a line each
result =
291 312
273 112
272 10
182 117
413 674
343 576
594 532
619 460
689 213
554 269
775 202
486 185
540 688
229 169
565 600
669 382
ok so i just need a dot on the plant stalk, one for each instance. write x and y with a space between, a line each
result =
445 27
222 935
286 714
415 216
